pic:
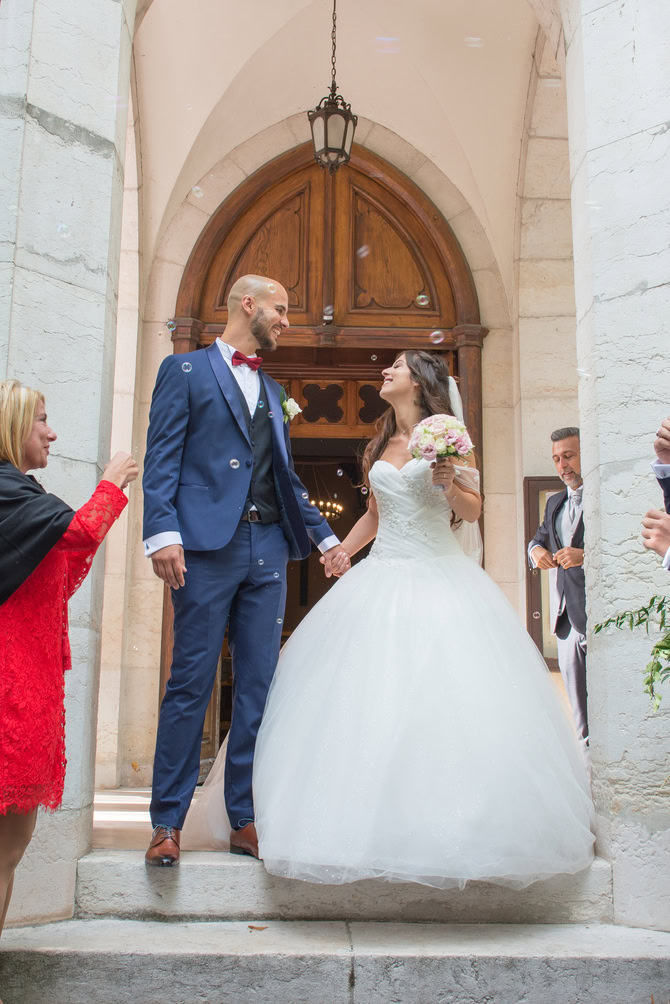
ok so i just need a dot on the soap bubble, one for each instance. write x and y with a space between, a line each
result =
363 251
339 472
275 575
170 325
374 358
422 300
334 495
197 191
364 490
279 620
261 561
473 42
271 414
63 229
436 337
186 367
328 312
261 404
272 288
234 464
305 495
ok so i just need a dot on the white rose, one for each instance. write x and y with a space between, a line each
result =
291 408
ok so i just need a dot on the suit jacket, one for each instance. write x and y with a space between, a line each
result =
665 485
570 581
198 463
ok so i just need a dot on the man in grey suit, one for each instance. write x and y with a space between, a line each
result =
559 544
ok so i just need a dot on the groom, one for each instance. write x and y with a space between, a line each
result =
223 513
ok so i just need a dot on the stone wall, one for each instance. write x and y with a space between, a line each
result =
63 84
618 87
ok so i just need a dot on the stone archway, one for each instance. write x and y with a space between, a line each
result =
158 302
410 287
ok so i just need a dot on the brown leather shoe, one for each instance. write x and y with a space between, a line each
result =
163 850
244 841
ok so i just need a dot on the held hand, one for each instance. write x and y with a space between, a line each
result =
443 474
570 557
120 470
662 442
542 557
169 565
336 561
656 532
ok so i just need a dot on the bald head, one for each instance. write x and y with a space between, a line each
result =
258 286
257 313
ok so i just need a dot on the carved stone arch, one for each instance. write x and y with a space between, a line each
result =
368 261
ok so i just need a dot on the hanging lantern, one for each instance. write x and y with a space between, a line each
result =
332 122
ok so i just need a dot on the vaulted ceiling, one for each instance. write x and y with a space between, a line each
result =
450 78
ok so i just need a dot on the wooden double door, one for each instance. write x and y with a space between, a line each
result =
371 267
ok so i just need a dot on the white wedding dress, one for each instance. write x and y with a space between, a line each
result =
412 731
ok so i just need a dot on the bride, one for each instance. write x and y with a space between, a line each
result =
412 731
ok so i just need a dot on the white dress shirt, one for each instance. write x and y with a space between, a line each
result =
662 471
249 382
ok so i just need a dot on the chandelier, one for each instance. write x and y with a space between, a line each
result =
331 510
332 121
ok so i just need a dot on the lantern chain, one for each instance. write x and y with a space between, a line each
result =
333 35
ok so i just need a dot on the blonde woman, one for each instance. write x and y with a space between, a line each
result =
46 550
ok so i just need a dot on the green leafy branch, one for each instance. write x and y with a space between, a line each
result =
657 670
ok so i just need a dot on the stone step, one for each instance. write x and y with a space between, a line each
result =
222 886
279 962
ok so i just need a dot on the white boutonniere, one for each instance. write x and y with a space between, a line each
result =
289 406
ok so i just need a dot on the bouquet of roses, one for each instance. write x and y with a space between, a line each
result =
438 437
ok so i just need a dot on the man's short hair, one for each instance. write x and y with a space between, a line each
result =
566 433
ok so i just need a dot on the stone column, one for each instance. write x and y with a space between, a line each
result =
64 76
618 86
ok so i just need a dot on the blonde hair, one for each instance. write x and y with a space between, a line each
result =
18 407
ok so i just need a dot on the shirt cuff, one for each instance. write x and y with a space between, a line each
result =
530 555
666 560
159 540
661 470
329 542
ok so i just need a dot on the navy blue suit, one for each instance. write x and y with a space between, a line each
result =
197 473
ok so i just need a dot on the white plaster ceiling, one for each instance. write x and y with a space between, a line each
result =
448 76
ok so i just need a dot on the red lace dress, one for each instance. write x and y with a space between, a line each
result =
34 654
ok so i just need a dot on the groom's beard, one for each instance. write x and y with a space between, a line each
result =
259 329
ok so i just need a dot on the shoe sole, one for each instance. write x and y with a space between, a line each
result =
240 850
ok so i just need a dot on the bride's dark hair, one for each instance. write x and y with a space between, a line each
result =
431 373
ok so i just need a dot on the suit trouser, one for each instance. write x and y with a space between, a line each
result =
572 664
242 586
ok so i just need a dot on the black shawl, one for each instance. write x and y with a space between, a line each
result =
31 523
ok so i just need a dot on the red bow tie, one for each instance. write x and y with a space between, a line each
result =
239 359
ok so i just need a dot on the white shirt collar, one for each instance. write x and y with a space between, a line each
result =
571 491
228 350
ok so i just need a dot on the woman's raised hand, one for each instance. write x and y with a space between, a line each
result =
121 470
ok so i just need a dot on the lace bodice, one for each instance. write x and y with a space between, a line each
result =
414 515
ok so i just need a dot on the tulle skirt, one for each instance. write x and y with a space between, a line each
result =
412 733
